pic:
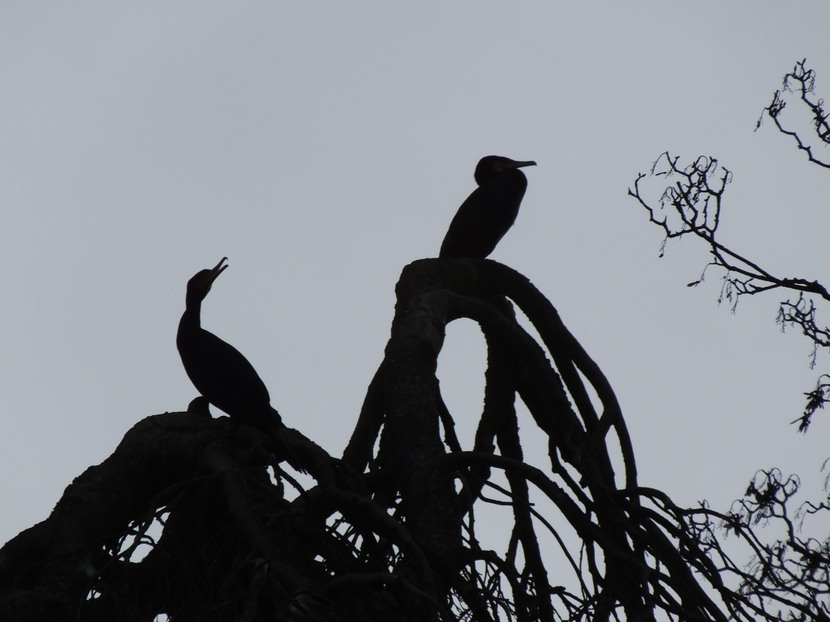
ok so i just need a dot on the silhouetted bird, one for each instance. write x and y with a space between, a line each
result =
489 211
228 381
218 370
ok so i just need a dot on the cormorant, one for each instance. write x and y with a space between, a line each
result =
227 380
489 211
218 370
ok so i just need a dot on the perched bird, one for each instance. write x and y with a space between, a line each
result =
227 380
218 370
489 211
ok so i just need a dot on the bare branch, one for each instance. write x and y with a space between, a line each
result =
390 532
801 81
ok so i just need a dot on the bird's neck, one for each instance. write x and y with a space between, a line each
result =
192 314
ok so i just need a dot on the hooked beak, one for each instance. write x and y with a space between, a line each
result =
217 270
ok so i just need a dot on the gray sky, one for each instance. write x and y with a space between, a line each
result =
322 147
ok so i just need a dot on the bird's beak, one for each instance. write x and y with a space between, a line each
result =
217 269
517 164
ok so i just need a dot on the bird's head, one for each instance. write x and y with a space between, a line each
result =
490 166
199 284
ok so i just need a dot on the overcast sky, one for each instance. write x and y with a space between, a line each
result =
322 147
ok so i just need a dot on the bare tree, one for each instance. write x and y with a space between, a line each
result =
190 520
193 519
801 82
788 576
689 203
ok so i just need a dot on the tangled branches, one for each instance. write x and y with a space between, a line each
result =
801 81
690 204
775 578
790 574
621 559
193 520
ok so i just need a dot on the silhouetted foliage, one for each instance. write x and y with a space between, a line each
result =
691 206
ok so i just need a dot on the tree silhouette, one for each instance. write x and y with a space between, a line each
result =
691 206
191 520
789 572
